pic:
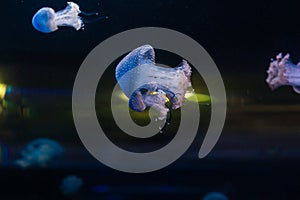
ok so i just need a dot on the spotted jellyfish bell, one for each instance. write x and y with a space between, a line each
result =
149 85
46 20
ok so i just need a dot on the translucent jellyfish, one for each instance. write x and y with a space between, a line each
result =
46 20
40 153
283 72
149 85
71 185
215 196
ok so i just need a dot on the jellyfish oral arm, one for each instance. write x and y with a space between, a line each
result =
154 96
69 16
283 72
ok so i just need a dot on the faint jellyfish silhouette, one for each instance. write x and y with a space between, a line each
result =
149 85
46 20
71 185
40 153
4 153
215 196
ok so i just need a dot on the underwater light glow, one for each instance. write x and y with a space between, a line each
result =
2 90
123 96
202 98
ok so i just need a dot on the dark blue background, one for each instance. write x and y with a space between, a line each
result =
257 156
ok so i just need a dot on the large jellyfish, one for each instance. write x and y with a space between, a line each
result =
46 20
283 72
40 153
149 85
71 185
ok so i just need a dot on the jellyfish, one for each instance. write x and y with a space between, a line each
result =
71 185
149 85
283 72
40 153
215 196
46 20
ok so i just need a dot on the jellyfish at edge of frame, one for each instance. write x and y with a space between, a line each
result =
215 196
71 185
46 20
40 153
283 72
149 85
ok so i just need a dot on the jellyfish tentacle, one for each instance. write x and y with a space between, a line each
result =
185 67
89 14
283 72
151 95
69 16
136 102
94 20
148 91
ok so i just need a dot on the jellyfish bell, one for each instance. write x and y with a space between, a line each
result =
46 20
71 185
149 85
39 153
215 196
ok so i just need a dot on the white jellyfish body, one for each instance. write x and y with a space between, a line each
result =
149 85
71 185
46 20
39 153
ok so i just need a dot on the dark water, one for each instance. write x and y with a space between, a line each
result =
257 156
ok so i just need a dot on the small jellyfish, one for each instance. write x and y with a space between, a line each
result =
215 196
71 185
283 72
46 20
40 153
149 85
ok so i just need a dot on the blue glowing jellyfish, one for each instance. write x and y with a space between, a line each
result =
149 85
71 185
40 153
46 20
215 196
